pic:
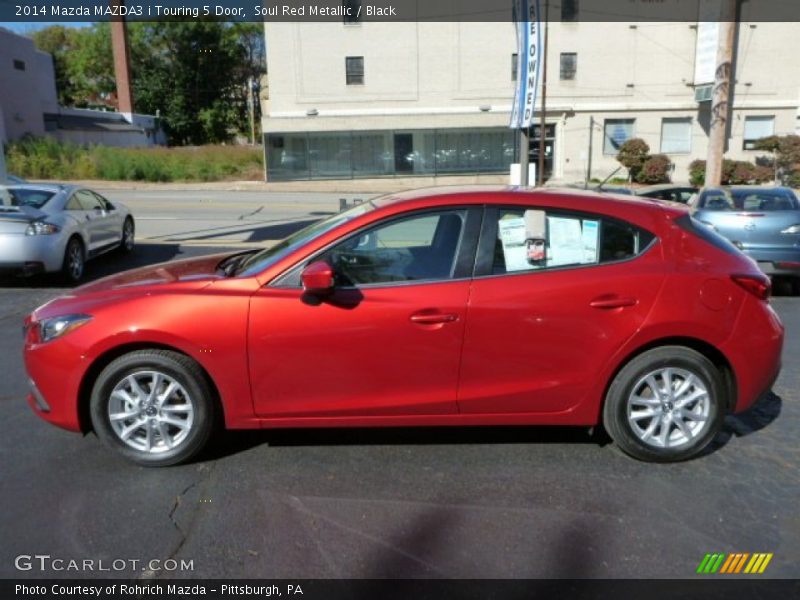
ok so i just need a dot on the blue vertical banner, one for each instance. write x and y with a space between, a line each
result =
529 46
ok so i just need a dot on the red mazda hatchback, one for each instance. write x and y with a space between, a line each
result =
440 307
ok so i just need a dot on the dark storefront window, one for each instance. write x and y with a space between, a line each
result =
354 154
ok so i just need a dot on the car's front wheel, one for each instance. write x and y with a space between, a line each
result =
153 406
665 405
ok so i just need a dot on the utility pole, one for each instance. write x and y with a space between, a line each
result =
589 155
542 121
122 67
251 105
3 173
524 148
720 100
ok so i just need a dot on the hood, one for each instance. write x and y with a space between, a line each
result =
183 275
189 271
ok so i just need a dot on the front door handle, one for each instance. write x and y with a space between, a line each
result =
433 318
613 302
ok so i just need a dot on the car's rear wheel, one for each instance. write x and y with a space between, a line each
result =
74 261
665 405
128 234
153 406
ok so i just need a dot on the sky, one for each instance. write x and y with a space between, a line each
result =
24 28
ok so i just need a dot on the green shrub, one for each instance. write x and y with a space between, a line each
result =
655 169
46 158
697 173
734 172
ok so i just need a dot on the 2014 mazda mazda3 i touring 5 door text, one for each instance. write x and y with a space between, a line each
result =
446 307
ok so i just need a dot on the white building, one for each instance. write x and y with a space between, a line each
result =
372 99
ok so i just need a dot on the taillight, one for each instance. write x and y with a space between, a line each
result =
758 285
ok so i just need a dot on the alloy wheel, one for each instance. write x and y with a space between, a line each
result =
151 412
669 407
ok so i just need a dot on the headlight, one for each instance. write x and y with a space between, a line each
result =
793 229
42 228
49 329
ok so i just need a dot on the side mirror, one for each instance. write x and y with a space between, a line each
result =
317 278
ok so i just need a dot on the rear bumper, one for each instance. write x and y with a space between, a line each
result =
754 351
31 253
776 261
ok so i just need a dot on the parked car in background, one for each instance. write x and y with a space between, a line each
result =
668 191
14 180
763 222
465 306
56 228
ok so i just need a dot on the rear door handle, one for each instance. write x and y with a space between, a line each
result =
433 319
613 302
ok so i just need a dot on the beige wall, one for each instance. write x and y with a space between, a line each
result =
420 75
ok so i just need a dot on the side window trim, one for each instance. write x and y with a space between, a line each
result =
290 278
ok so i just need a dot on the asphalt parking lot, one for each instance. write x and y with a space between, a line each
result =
466 503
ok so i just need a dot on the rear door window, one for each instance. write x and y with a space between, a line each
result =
535 239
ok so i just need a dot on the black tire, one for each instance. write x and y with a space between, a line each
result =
74 263
181 369
616 408
128 236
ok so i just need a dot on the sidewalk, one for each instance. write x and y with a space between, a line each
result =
349 186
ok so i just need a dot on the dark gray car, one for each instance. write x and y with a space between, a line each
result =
763 222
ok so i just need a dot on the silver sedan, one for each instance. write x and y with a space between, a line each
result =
56 228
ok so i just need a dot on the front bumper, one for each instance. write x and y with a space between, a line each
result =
55 370
31 253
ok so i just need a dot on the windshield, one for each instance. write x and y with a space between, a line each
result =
269 256
16 197
764 200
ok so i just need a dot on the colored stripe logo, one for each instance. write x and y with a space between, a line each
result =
735 563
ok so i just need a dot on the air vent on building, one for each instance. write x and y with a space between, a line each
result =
703 93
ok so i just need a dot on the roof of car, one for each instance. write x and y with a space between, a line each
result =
506 194
664 186
45 187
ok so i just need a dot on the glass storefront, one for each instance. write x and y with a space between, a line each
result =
355 154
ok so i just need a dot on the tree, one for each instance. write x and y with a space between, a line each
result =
643 167
59 41
193 73
633 154
786 150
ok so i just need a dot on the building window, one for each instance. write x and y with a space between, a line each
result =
756 128
676 136
19 65
569 10
352 11
354 70
569 65
615 133
514 58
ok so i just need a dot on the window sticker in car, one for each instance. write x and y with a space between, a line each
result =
566 241
591 237
512 235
